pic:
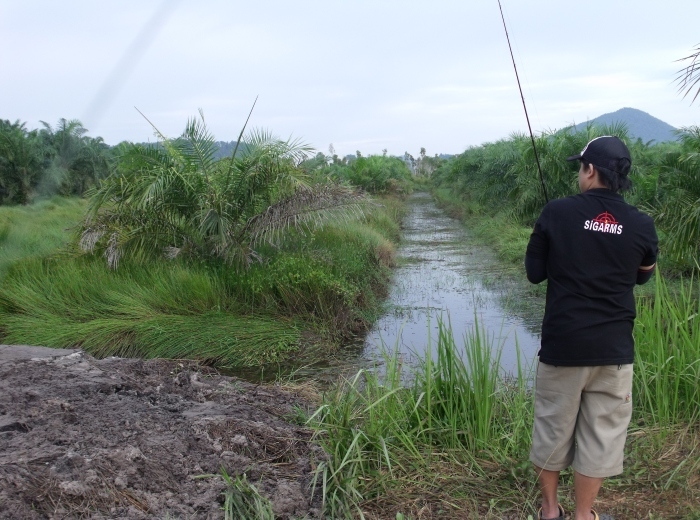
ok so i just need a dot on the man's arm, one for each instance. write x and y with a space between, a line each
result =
644 273
536 269
537 253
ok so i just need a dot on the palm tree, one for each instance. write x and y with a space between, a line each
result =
22 160
175 199
677 207
688 78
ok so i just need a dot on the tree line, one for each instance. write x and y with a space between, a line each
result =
59 159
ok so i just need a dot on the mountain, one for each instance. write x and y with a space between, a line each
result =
639 125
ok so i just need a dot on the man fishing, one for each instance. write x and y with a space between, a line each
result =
592 248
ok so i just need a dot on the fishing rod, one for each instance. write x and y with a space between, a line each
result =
527 118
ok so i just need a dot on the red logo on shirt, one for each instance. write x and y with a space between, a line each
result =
605 223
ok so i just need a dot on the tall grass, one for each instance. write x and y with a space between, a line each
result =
667 366
166 311
436 439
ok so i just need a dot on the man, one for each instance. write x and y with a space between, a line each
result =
592 248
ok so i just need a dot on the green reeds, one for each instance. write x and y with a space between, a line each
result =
458 397
434 439
667 364
458 436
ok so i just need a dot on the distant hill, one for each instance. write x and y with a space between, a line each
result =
639 125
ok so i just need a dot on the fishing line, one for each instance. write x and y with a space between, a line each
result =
527 117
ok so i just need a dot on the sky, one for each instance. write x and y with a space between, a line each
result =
361 75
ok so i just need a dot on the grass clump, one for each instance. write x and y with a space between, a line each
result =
242 500
165 311
667 366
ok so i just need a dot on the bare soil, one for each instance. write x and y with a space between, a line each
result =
133 439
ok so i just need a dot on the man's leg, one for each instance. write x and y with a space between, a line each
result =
549 481
557 400
601 430
586 489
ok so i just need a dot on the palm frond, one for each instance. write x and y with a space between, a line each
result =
198 144
688 77
306 209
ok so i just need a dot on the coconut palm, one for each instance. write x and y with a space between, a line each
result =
176 199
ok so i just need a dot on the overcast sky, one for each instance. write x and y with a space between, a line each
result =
362 75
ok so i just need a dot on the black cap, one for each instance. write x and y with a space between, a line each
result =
604 152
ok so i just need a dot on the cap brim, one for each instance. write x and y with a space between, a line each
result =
574 157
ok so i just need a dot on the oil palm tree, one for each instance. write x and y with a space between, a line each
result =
78 161
22 159
677 206
176 199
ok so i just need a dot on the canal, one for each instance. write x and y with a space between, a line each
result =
443 274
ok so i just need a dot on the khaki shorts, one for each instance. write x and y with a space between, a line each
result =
591 405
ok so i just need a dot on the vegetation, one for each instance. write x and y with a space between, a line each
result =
243 261
500 181
51 160
375 174
177 200
38 229
455 444
688 78
269 255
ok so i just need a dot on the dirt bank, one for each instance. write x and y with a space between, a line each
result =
132 439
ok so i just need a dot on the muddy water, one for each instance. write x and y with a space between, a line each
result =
442 274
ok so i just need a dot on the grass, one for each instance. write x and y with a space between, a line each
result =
242 500
667 336
301 301
455 442
509 241
430 447
38 229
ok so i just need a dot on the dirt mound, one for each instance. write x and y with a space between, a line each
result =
132 439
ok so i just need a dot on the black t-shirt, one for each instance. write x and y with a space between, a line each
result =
593 245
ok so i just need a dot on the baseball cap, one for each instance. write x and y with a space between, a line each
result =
605 152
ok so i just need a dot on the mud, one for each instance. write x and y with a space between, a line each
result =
132 439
